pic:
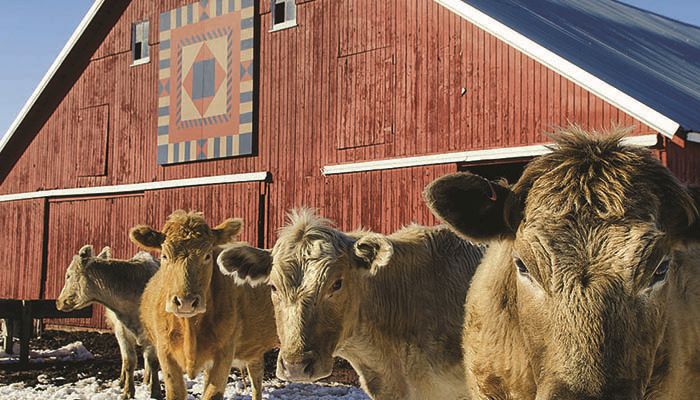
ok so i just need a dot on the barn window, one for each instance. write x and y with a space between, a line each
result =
139 43
284 14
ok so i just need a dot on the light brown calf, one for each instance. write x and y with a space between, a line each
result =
197 318
117 285
391 305
589 289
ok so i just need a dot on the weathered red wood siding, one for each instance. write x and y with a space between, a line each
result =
684 162
97 221
105 221
21 251
356 80
510 99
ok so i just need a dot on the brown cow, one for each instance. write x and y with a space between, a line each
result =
391 305
117 285
587 290
197 318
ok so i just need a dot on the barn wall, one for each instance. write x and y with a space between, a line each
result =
105 221
356 80
21 230
319 95
684 162
97 221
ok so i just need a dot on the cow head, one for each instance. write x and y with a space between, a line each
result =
187 246
585 242
78 290
315 273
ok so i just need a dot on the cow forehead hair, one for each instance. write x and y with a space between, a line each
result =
187 226
595 173
308 237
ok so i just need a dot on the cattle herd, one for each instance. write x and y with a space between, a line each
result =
579 281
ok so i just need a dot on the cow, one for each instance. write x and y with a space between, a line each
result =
117 285
590 288
390 305
197 318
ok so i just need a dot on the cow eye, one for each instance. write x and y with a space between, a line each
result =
164 257
273 288
520 265
337 285
661 271
207 257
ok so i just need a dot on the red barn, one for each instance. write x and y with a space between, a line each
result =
250 107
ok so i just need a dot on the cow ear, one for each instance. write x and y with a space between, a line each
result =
85 252
146 237
227 231
105 253
472 206
246 264
373 251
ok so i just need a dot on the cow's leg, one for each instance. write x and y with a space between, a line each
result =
218 375
150 374
127 348
255 372
172 375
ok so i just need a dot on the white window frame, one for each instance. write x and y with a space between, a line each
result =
144 43
290 14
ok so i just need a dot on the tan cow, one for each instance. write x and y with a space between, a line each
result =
197 318
391 305
117 285
587 290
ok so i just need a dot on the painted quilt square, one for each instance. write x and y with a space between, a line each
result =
205 87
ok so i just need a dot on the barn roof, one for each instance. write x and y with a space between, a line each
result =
643 63
652 60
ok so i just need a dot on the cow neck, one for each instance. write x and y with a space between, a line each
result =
119 285
189 343
191 331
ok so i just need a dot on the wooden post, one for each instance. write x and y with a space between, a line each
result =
9 331
25 332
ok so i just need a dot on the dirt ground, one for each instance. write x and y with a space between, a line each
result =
107 362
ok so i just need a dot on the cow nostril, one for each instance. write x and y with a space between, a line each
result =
195 302
176 301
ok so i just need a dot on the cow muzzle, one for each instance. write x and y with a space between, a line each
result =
64 305
186 306
306 368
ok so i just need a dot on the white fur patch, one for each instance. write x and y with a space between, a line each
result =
245 281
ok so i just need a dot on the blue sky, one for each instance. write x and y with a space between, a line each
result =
38 30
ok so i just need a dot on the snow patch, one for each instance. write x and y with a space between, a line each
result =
70 352
238 388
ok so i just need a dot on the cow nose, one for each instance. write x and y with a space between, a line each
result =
301 370
187 304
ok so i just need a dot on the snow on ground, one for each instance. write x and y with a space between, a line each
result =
237 389
70 352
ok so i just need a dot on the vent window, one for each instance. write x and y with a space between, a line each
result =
284 14
139 43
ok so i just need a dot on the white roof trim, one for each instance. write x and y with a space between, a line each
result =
693 137
463 156
51 72
635 108
139 187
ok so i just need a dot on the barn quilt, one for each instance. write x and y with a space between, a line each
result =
205 82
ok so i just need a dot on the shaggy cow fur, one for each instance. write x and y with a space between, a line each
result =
197 318
391 305
117 285
589 289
